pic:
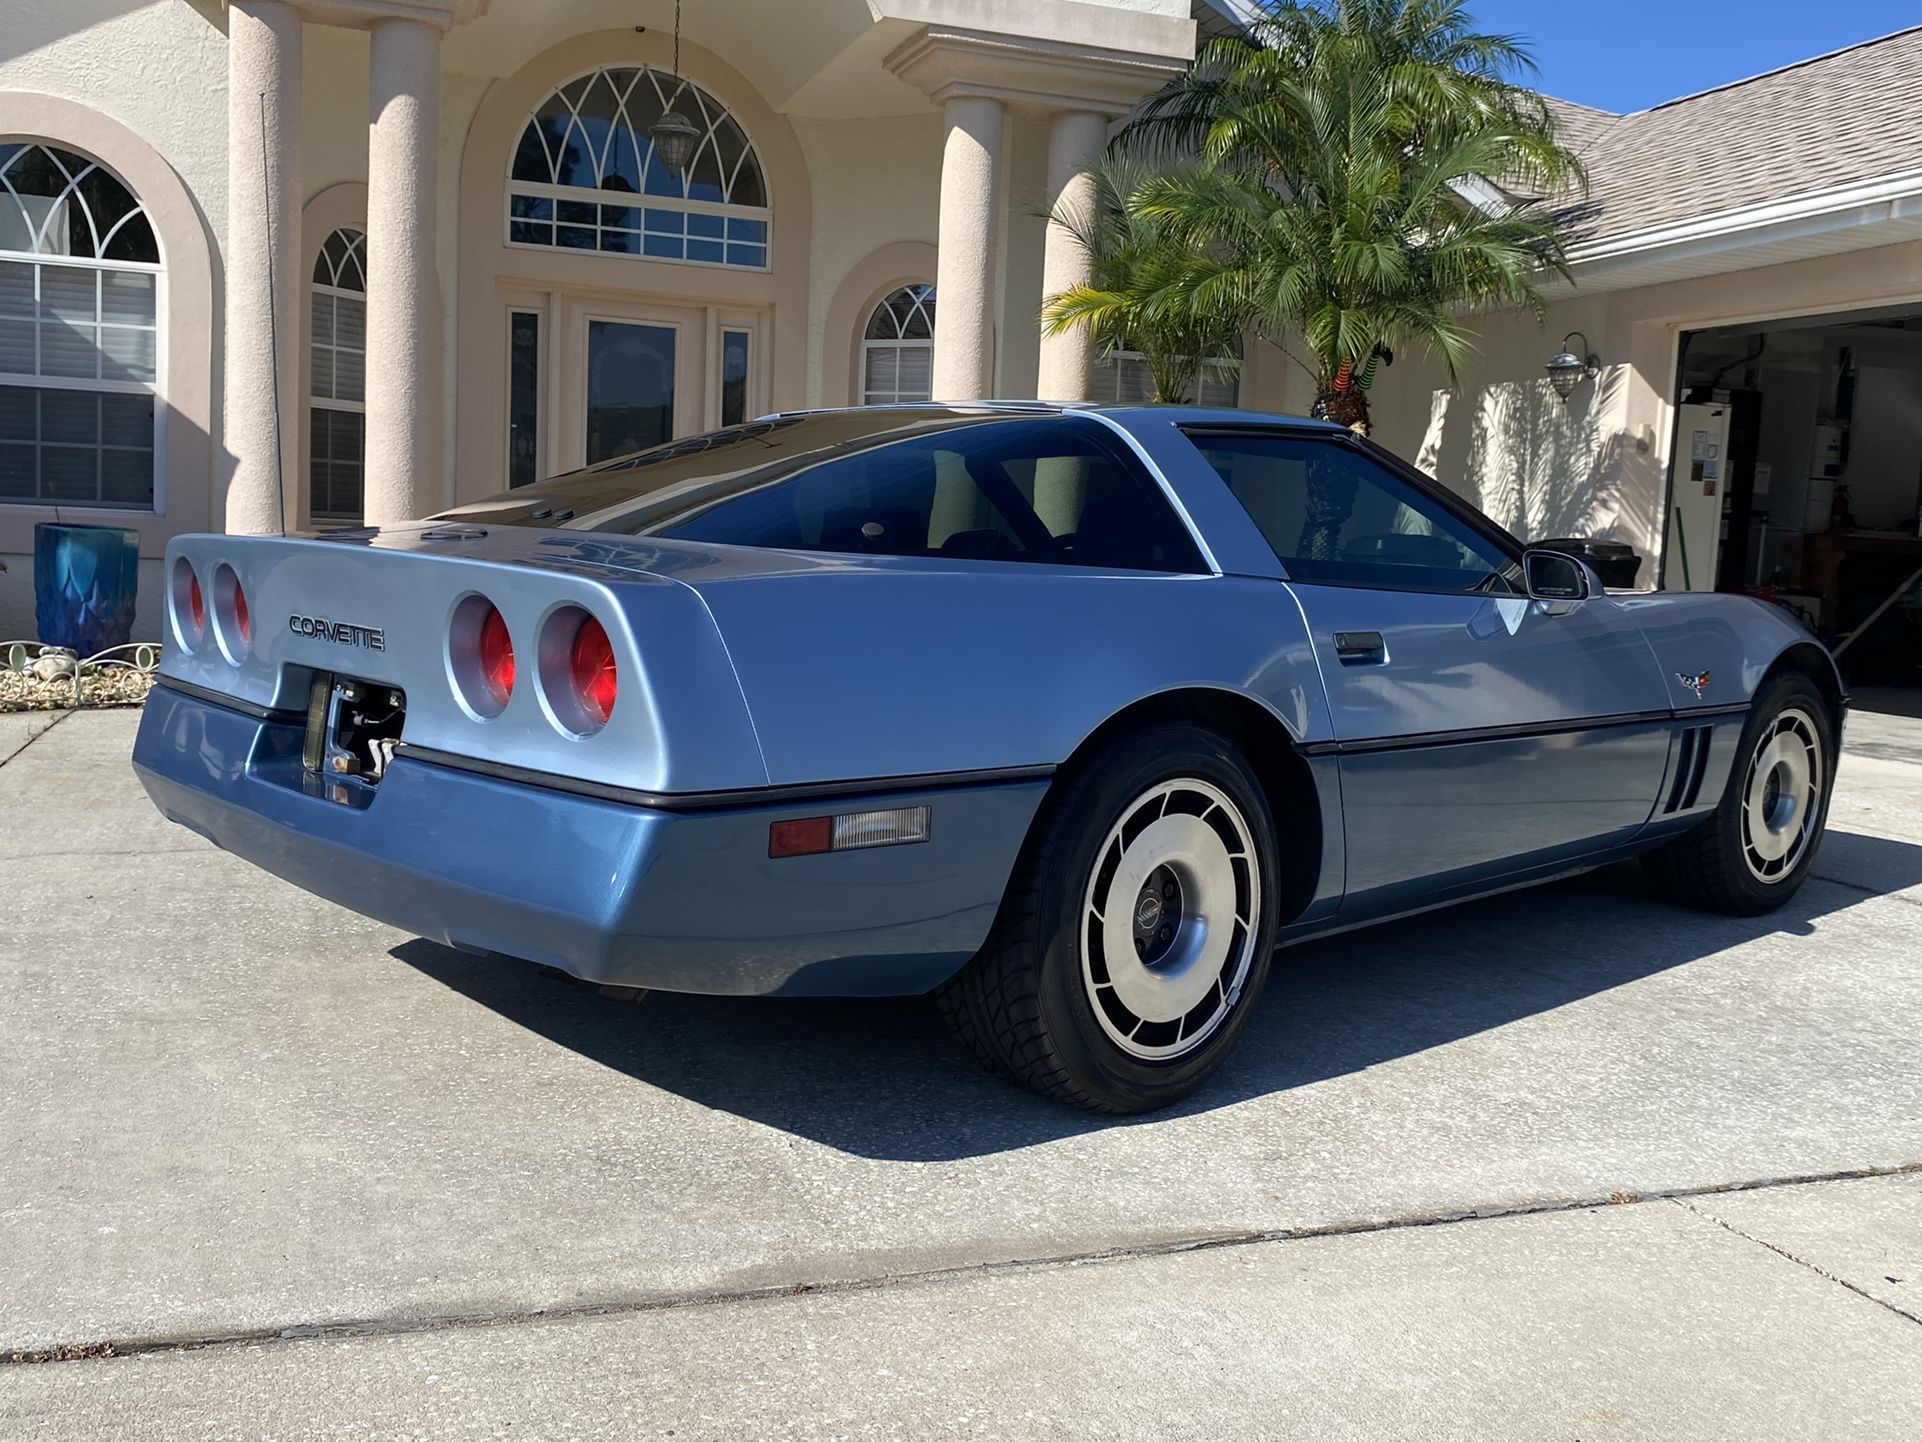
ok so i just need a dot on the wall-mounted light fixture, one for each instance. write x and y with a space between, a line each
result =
1570 368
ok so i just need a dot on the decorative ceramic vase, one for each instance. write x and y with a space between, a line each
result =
85 579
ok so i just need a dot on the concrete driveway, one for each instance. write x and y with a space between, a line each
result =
1568 1164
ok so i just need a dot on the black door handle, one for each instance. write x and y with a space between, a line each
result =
1359 646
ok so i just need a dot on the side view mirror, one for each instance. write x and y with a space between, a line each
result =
1557 579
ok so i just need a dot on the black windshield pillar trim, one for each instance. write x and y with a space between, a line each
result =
1163 485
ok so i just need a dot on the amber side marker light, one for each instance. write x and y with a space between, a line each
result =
853 831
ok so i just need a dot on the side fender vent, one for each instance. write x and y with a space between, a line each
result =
1689 768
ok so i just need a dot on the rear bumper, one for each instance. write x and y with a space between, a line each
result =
612 892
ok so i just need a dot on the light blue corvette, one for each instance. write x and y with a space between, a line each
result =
1070 715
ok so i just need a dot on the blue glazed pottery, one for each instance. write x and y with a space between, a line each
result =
85 579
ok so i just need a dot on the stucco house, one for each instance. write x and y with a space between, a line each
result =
271 262
1747 273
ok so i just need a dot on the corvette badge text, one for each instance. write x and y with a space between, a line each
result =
341 633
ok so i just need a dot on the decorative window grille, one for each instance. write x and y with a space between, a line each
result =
585 175
337 429
80 278
897 351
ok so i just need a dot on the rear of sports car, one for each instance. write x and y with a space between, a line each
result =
519 740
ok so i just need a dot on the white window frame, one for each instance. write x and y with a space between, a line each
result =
157 388
748 408
628 200
329 403
1116 357
682 415
894 396
635 200
928 303
541 343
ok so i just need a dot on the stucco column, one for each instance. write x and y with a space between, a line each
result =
404 415
965 255
260 401
1075 143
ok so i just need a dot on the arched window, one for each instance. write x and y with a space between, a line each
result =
585 175
897 351
79 333
336 431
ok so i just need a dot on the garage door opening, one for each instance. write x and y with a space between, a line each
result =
1797 476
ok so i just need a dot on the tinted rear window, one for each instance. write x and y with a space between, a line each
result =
1057 489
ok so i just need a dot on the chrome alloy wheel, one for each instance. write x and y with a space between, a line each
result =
1169 920
1781 794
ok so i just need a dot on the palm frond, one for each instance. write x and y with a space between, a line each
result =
1310 176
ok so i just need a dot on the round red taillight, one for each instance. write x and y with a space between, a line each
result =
243 622
497 656
196 603
591 670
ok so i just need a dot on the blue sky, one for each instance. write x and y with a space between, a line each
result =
1631 54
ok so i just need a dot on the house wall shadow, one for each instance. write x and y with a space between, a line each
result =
881 1079
1542 467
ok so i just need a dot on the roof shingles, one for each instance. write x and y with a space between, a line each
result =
1827 122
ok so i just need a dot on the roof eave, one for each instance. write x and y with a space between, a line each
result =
1883 210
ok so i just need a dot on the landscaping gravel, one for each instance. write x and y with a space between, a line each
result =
102 686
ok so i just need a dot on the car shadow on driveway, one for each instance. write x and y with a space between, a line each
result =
882 1078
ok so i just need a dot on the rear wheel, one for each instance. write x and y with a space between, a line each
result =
1136 930
1753 853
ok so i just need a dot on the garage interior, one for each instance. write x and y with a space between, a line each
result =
1797 476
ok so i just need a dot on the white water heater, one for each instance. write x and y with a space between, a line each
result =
1697 489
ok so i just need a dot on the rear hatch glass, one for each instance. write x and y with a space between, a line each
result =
927 481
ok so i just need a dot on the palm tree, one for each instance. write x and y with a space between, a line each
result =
1368 173
1135 299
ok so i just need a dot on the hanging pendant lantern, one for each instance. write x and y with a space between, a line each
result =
674 135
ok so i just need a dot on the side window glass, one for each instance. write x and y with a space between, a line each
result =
1335 516
1057 490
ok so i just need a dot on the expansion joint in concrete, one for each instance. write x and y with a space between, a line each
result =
100 1349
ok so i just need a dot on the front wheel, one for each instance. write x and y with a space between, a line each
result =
1136 930
1754 852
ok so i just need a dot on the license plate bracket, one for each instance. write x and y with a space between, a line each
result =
353 727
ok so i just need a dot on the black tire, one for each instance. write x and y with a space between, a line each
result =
1032 1006
1714 866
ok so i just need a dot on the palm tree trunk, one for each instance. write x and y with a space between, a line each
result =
1331 484
1173 377
1345 408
